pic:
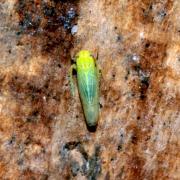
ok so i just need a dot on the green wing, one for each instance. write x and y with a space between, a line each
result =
88 84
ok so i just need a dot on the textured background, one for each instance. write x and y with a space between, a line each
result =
42 129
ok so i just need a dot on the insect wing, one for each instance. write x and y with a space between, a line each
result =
88 87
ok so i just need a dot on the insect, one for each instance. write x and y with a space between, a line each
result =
88 85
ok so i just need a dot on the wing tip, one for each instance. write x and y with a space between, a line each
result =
92 128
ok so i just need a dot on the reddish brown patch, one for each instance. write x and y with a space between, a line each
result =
43 98
167 160
143 11
135 167
28 174
135 163
46 26
153 55
147 86
3 169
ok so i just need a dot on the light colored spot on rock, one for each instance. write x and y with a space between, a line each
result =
74 29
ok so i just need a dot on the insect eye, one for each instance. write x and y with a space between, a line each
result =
73 60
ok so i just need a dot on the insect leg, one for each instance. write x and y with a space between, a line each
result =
71 80
96 56
98 71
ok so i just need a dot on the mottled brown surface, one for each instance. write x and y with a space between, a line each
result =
43 134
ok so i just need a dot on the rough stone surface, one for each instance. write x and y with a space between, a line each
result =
43 134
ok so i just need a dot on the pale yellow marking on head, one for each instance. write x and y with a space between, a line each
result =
84 54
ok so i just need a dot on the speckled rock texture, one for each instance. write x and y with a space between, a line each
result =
43 134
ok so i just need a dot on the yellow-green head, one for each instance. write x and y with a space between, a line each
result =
85 60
